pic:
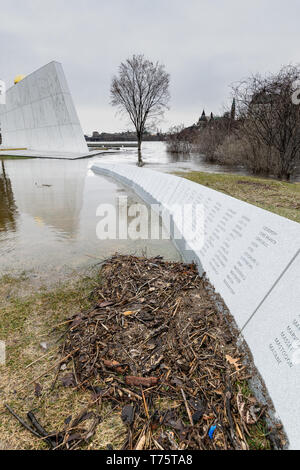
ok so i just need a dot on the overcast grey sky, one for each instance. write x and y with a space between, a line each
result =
205 44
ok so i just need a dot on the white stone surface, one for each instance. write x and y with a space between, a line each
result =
251 257
39 114
243 244
273 335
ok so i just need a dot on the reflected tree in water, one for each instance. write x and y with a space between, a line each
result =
8 208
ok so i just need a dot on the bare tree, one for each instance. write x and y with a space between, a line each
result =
271 120
141 89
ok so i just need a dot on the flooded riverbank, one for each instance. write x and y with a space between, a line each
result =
48 219
48 211
157 158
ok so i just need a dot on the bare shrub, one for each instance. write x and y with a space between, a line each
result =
231 151
271 120
210 137
178 141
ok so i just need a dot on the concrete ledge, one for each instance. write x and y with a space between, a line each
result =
52 155
252 257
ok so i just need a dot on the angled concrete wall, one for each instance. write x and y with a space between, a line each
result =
252 258
39 114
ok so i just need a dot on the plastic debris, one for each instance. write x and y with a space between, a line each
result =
211 432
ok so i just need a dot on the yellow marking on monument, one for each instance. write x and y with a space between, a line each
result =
18 79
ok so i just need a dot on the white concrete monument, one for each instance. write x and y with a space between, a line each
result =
39 115
252 258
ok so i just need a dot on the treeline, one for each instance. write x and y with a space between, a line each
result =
123 137
261 131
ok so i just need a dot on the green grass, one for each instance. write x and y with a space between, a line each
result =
258 439
244 389
279 197
258 433
22 316
26 320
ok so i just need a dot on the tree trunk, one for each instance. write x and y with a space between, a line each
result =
285 176
140 158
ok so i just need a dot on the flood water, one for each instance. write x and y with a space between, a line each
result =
157 158
48 211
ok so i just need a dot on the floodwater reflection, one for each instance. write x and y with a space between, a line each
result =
50 192
48 218
48 210
8 208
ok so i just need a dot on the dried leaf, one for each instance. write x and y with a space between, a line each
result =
105 304
128 415
130 312
234 362
251 415
141 443
144 381
68 380
115 366
38 390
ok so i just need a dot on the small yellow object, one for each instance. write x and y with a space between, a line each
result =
127 314
18 79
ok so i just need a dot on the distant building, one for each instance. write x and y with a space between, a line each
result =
203 120
96 135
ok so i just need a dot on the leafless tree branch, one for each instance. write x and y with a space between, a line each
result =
141 89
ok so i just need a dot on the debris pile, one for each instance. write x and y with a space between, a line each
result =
156 346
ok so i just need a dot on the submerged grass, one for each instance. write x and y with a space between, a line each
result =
279 197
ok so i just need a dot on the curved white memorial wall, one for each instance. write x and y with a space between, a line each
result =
252 258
